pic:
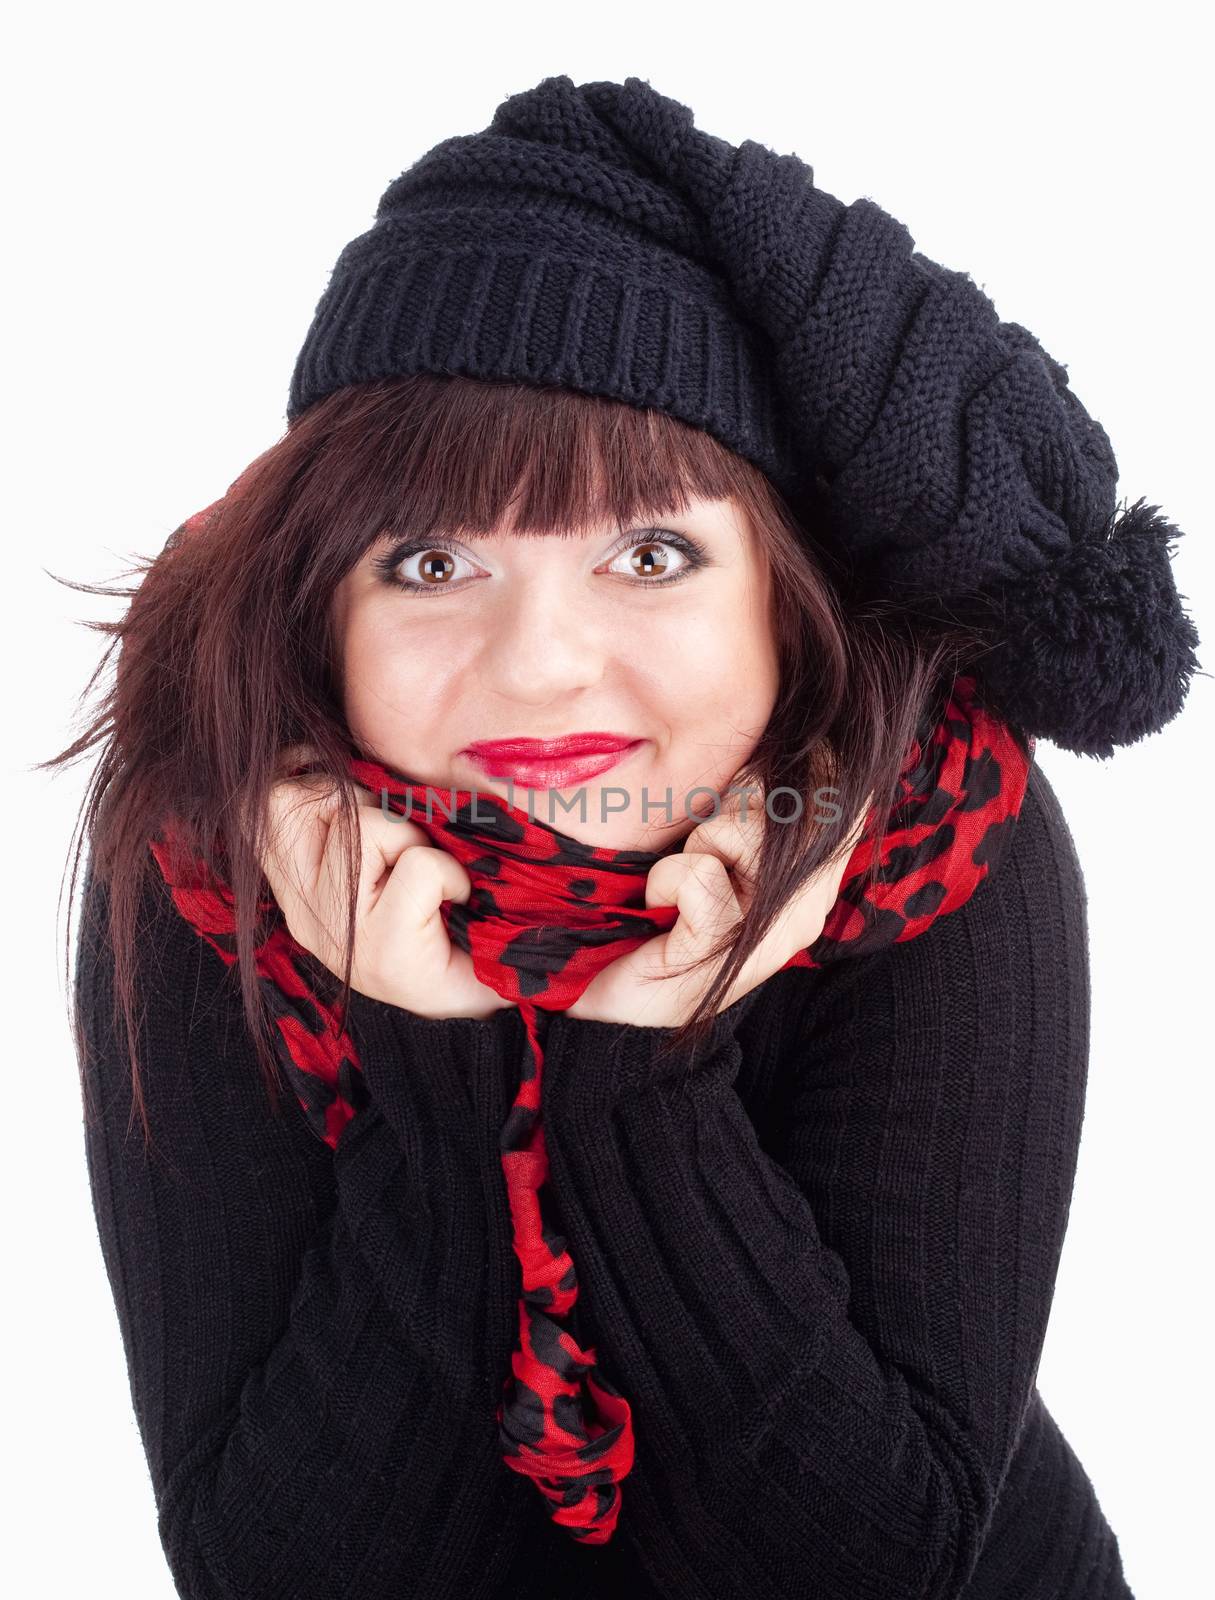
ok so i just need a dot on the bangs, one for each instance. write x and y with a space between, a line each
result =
446 454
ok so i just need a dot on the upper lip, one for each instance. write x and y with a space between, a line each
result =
572 744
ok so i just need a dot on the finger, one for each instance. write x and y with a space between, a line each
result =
297 822
379 842
698 884
396 829
297 816
405 941
802 918
421 880
734 842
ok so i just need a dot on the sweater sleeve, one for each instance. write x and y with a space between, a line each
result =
831 1343
302 1326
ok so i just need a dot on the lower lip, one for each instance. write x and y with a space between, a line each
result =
559 772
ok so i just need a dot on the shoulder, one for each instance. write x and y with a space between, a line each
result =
199 1076
177 973
1043 844
1019 945
1025 925
1030 907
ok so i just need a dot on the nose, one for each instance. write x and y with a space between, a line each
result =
542 639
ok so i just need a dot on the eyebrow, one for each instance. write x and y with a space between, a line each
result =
640 520
394 536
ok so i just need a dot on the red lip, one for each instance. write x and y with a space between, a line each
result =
551 763
570 746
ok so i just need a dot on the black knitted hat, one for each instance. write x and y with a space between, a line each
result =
592 237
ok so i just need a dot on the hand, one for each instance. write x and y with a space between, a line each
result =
711 883
402 952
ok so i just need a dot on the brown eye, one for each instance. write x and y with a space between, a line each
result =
435 567
650 560
647 560
435 564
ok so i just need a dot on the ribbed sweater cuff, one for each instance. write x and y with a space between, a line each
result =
427 1074
596 1064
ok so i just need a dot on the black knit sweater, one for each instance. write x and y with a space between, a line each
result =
820 1268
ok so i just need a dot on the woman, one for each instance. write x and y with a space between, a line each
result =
707 1168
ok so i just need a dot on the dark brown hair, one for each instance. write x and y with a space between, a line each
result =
225 651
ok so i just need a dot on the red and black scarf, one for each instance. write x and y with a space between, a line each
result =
546 913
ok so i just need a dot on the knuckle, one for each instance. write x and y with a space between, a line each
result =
426 869
708 870
668 872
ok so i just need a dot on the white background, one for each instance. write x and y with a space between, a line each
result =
179 181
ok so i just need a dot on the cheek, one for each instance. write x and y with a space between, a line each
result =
392 681
717 668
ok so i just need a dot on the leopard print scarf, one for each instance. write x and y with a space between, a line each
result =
546 913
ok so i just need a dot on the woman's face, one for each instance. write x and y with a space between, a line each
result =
658 633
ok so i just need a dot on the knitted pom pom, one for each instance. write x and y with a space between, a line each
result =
1096 650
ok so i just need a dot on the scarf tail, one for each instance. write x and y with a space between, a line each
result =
559 1421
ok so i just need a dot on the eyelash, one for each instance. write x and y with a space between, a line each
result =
386 564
